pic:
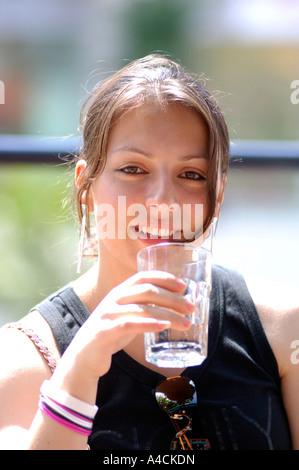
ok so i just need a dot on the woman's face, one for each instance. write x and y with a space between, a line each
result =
153 185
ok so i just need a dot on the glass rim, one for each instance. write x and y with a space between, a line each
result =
147 249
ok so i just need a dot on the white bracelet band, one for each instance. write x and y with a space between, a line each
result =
60 410
63 398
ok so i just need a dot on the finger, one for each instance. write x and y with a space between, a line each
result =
142 324
126 329
151 294
177 321
149 312
158 278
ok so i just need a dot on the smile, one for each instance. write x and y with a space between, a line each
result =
147 225
154 232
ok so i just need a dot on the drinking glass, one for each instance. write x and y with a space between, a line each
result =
174 348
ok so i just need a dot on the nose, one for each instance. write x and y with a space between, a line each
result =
161 191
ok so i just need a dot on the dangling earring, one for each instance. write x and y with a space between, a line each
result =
82 236
207 241
213 232
215 219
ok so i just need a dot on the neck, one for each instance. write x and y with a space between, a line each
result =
98 281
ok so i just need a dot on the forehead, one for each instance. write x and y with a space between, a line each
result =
173 121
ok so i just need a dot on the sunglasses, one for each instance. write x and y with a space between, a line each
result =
177 397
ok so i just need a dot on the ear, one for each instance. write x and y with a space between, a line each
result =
86 198
80 167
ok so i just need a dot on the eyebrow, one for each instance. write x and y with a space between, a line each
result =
149 155
126 148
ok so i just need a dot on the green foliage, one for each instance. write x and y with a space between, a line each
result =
38 236
155 25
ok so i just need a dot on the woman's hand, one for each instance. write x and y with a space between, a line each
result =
147 301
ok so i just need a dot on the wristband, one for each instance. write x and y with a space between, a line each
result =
64 399
64 422
66 413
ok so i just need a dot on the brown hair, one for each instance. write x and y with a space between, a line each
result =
158 79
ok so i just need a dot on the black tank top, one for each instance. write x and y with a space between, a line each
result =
238 385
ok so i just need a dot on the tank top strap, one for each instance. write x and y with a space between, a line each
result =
65 314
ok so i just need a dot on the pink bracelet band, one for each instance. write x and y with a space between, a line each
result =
63 398
78 415
62 421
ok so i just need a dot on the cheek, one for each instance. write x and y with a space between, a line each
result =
113 214
198 198
206 205
107 189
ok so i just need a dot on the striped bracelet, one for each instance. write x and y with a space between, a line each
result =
66 410
66 422
64 399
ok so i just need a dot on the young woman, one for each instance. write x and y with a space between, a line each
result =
152 135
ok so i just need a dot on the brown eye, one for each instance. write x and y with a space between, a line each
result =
131 170
191 175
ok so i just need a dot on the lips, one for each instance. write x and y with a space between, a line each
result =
154 232
157 233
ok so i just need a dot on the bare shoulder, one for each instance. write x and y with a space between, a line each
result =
278 307
41 335
23 369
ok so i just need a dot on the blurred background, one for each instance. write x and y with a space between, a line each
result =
52 52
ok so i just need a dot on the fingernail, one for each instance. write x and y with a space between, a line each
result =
190 305
186 321
181 284
164 324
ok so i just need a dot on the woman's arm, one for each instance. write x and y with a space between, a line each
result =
278 309
289 360
124 313
22 371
